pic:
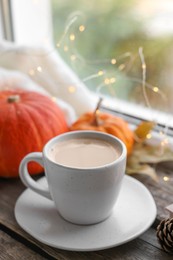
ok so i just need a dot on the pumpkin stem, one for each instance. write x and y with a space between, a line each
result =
96 112
13 98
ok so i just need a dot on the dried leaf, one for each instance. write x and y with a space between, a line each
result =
145 154
143 169
143 129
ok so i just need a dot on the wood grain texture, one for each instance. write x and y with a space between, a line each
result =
11 249
162 191
144 247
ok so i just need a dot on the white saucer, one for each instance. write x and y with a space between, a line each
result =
134 213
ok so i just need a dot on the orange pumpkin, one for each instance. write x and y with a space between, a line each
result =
27 121
104 122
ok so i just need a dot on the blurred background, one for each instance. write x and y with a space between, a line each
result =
109 42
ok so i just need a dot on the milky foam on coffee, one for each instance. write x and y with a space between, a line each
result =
83 153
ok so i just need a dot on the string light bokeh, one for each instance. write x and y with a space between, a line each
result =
67 43
108 80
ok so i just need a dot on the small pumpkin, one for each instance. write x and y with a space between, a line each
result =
104 122
27 121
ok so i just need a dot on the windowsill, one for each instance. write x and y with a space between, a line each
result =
134 113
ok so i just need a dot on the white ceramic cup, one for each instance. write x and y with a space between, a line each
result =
81 196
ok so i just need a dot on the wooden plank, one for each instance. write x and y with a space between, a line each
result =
140 248
11 249
162 191
137 249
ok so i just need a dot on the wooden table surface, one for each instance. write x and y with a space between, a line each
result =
15 243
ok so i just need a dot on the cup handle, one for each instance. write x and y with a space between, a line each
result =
27 179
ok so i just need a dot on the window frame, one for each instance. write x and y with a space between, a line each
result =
6 25
133 113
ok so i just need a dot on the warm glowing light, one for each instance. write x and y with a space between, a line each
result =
166 178
72 37
161 133
148 136
164 142
155 89
81 28
100 72
97 112
39 68
143 66
112 80
107 81
58 44
73 57
113 61
121 67
31 72
65 48
71 89
54 99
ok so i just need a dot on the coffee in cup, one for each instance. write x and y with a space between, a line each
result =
83 153
84 171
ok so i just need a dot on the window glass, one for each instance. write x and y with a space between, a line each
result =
119 48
